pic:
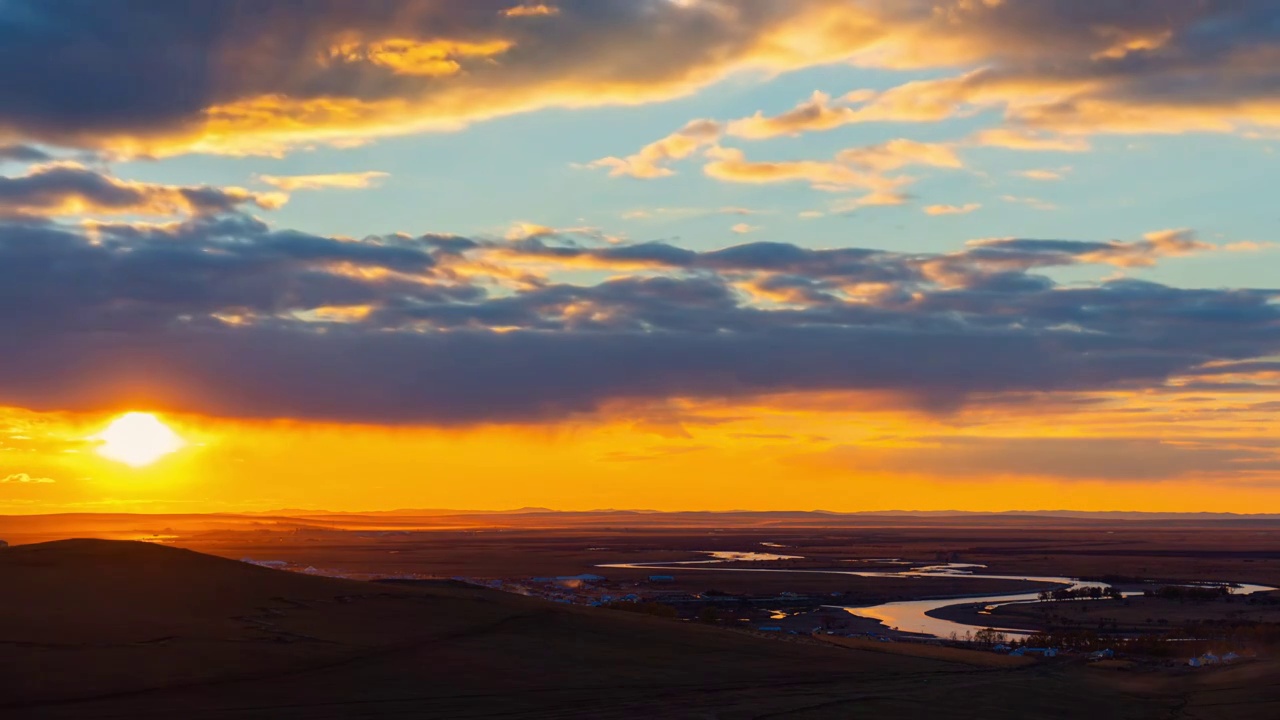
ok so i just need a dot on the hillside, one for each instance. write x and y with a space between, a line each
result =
95 629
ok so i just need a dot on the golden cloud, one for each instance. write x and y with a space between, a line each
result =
952 209
650 161
1021 139
1043 174
815 114
861 168
731 164
430 58
272 78
25 479
896 154
538 10
65 189
346 181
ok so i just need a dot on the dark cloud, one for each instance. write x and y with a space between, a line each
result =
225 315
1240 368
986 262
83 72
70 190
22 154
479 376
853 264
143 278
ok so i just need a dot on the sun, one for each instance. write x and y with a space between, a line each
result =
137 439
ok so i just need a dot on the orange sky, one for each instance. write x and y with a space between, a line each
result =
833 452
697 254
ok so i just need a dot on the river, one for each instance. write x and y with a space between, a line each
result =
909 616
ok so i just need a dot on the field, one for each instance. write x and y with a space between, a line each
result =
537 543
99 630
94 629
976 658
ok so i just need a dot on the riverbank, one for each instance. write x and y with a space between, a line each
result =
977 616
1130 616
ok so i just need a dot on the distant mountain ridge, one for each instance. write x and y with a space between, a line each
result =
1084 514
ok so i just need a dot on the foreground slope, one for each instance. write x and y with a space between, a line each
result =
95 629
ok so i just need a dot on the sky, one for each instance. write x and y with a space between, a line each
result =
665 254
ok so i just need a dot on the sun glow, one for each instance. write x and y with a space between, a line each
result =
137 439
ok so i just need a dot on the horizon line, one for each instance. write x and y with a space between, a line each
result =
286 512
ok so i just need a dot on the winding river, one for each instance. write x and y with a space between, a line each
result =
908 616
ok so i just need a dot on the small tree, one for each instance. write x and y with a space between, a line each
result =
990 637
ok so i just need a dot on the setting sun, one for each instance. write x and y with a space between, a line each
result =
137 439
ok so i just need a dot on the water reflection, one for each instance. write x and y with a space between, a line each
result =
912 616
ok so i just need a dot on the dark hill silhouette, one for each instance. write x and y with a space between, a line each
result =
97 629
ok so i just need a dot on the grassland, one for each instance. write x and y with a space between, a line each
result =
98 629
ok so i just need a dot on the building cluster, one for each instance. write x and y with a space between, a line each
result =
1038 651
585 589
1208 659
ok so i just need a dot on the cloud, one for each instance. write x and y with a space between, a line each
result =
145 76
864 168
973 265
1083 458
208 270
1022 254
1044 175
1056 67
952 209
25 479
897 154
345 181
1161 243
859 167
53 190
744 228
23 153
426 58
1022 139
1266 367
911 102
539 10
672 213
224 315
815 114
262 78
1036 203
1250 246
876 198
731 164
1061 71
651 160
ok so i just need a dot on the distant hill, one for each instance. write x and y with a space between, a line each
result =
828 514
25 529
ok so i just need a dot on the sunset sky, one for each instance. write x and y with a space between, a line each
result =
667 254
